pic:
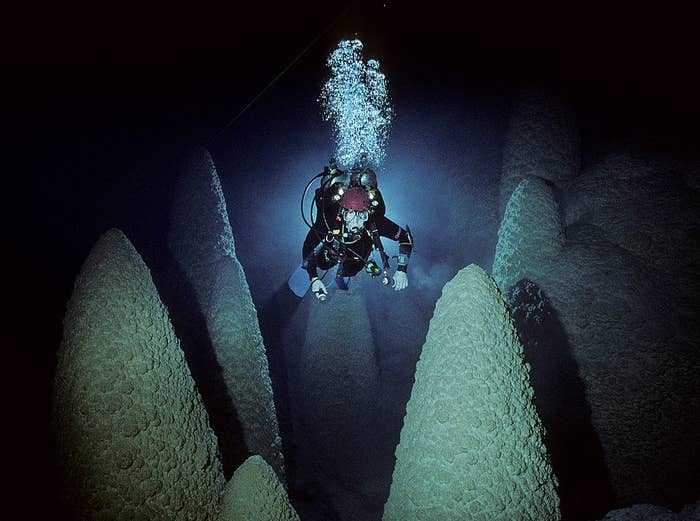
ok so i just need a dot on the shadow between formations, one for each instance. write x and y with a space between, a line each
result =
560 399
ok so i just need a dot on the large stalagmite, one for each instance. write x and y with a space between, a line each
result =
255 494
471 446
133 438
233 371
335 384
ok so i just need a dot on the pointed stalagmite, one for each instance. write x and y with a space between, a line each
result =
334 396
471 446
255 494
133 438
531 233
236 384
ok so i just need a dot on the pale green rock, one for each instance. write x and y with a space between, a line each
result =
201 241
255 494
530 235
133 438
471 446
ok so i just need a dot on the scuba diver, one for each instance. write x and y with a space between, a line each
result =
349 224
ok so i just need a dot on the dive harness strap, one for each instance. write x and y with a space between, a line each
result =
377 241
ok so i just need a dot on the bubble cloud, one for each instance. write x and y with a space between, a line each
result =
356 101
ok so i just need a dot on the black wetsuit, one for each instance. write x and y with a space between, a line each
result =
342 247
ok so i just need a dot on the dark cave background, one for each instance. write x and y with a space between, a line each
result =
101 103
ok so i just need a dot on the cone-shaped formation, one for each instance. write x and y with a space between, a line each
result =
334 394
133 438
542 141
237 390
531 232
255 494
471 446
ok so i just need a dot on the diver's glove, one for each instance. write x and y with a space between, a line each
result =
400 280
319 289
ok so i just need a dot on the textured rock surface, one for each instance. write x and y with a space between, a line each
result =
625 287
530 234
334 384
233 375
690 512
471 444
255 494
542 141
659 223
133 437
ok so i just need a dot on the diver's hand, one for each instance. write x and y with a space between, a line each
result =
400 281
319 289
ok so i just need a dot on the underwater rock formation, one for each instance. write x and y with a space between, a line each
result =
471 446
645 512
254 493
531 232
560 399
228 355
624 284
659 223
542 141
133 437
334 385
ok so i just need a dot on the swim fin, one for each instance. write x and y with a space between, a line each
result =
299 282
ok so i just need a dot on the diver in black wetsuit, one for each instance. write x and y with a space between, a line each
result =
348 227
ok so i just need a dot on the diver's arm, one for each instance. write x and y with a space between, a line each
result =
313 239
389 229
309 264
405 249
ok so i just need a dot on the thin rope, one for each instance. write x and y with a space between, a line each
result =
291 64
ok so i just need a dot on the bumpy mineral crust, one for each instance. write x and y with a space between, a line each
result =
623 284
202 243
471 446
531 232
133 437
255 494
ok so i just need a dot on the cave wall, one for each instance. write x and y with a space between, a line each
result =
624 284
